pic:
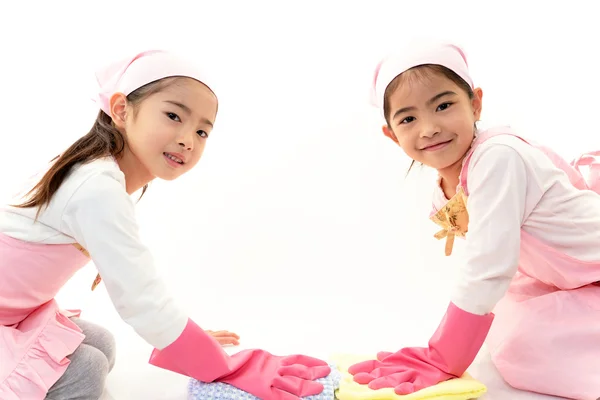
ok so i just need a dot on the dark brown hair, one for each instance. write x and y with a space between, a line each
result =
103 140
425 71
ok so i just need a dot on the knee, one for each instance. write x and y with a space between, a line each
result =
108 346
99 368
100 338
93 369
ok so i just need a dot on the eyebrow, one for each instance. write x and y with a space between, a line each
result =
188 111
432 100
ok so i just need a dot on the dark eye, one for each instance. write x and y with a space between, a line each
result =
202 134
407 120
443 106
173 116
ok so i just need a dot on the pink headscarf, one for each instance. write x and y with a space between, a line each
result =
447 55
129 74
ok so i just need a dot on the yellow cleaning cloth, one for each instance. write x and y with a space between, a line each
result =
464 388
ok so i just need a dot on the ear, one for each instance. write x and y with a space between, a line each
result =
477 103
389 133
118 109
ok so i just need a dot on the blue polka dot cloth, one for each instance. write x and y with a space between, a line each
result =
223 391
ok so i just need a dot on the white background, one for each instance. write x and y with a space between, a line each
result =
297 230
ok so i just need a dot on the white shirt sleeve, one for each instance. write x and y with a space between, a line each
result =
497 185
100 216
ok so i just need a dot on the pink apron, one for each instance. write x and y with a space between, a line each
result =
546 334
35 335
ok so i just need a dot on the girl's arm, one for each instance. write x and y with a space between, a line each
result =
496 205
100 215
497 184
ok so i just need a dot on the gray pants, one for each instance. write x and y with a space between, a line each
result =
85 376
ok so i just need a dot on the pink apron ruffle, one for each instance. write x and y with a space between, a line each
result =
45 339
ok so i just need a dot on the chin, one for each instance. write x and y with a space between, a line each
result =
448 164
168 177
165 173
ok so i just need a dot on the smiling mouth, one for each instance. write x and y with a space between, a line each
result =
173 158
436 146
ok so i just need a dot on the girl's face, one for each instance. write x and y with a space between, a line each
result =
167 133
432 119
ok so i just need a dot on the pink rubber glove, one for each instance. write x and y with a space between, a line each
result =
451 351
198 355
273 377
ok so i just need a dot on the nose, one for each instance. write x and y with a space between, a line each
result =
430 128
186 146
186 141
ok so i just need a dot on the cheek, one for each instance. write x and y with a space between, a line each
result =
407 137
463 117
468 127
147 141
145 129
408 145
199 147
158 135
150 142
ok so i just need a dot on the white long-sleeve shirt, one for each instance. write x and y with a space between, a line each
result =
512 186
92 208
